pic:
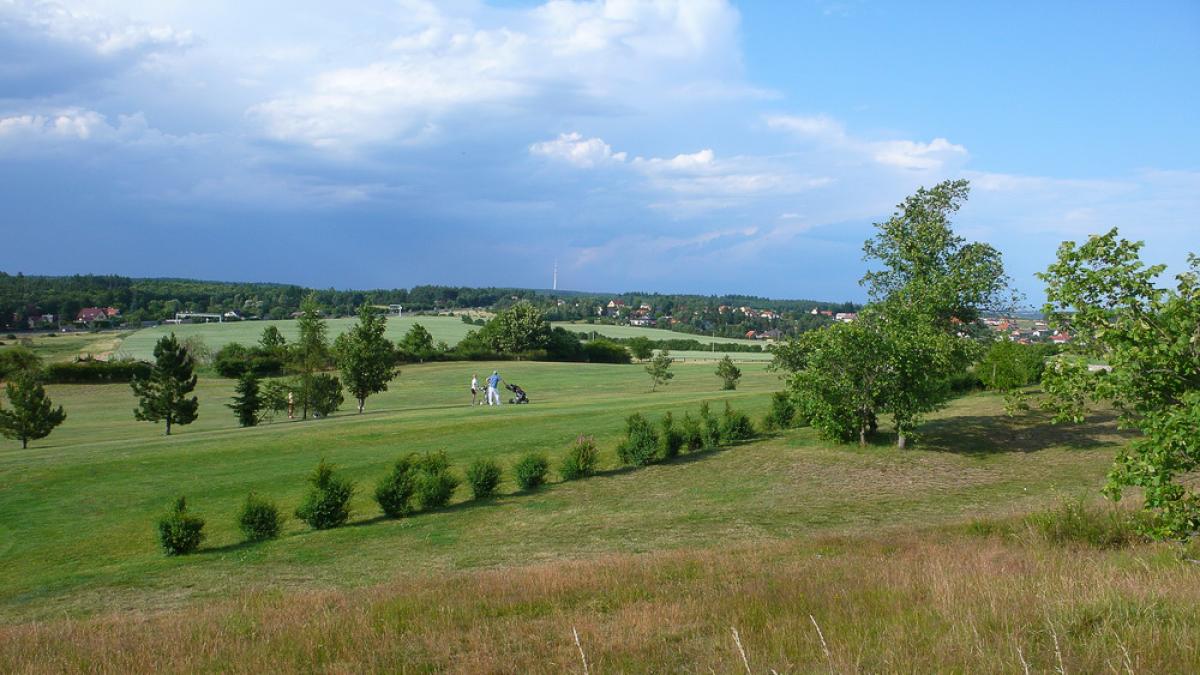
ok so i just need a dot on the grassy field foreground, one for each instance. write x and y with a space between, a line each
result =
925 602
653 566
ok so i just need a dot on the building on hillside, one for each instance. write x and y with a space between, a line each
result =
845 317
1060 338
768 314
751 335
644 321
39 320
613 308
91 314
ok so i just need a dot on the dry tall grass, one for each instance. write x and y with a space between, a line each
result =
918 602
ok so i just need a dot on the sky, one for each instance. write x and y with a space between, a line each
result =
694 146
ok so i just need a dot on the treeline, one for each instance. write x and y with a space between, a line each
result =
23 297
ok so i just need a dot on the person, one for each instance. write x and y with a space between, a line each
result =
291 406
474 387
493 382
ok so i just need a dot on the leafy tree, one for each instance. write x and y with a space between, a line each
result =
1108 298
163 397
365 356
325 395
311 352
641 347
417 342
272 340
518 329
1006 367
15 360
394 492
247 403
729 373
838 378
659 369
32 416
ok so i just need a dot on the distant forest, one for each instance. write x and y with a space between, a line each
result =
23 298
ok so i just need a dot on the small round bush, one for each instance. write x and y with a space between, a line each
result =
581 459
327 504
180 532
484 477
259 519
531 471
640 446
394 492
435 484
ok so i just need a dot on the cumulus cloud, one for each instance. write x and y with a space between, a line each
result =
573 148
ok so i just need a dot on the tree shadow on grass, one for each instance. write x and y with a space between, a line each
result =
1029 432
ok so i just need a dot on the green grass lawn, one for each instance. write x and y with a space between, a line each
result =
140 345
77 509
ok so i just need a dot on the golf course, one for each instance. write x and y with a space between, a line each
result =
659 563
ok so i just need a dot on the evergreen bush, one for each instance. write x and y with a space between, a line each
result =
581 459
435 484
530 471
693 435
484 477
710 427
327 504
670 438
180 532
259 519
394 491
781 414
735 426
640 446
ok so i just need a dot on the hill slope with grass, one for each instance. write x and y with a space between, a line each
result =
655 564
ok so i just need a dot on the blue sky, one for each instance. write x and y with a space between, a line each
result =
692 146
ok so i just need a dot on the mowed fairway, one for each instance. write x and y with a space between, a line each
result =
650 333
140 345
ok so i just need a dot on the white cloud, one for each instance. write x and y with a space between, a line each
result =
901 154
573 148
106 35
582 55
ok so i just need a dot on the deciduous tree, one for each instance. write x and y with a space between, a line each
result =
365 357
1150 335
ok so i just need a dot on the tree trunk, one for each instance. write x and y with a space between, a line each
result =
862 436
24 443
168 425
901 439
361 403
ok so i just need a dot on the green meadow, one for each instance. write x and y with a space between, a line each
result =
787 518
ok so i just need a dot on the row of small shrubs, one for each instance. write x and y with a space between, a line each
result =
644 444
423 482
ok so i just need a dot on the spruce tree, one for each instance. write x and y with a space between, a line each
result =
163 397
247 403
32 416
365 356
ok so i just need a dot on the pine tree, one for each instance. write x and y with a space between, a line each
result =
163 396
247 403
32 416
365 356
729 373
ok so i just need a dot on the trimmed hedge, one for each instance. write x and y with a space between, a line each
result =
88 371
